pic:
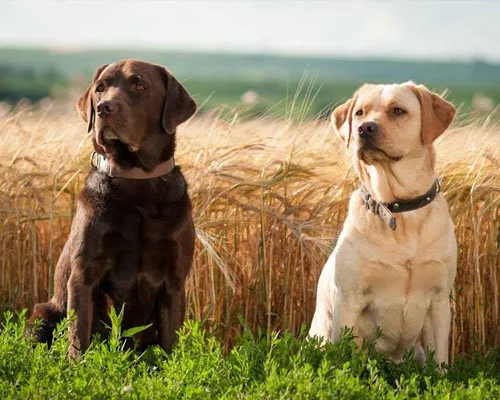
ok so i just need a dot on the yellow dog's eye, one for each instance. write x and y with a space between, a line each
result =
398 111
100 88
359 113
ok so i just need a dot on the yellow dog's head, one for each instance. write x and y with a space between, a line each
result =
390 122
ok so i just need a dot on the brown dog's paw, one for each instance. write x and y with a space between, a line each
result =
42 323
73 353
40 332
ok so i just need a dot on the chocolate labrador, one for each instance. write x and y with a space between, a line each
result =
132 237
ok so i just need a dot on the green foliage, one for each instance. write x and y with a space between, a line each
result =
221 79
268 366
116 323
17 82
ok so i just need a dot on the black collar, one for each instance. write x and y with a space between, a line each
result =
386 210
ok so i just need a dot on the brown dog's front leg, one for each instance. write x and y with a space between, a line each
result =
170 313
87 232
53 311
81 301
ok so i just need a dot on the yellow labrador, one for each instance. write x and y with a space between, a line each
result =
395 260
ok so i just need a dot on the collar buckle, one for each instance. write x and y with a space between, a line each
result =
100 163
93 159
370 203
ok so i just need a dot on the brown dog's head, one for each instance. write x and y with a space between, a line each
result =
390 122
135 106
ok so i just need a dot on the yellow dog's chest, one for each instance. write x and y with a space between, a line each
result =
397 299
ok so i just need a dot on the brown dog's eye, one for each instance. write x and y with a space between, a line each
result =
359 113
398 111
136 83
100 88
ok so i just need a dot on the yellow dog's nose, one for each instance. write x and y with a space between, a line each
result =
367 129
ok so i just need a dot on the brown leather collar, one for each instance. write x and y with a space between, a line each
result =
101 163
386 210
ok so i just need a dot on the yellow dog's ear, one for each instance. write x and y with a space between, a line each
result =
342 120
437 113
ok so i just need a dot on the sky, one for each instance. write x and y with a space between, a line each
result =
458 30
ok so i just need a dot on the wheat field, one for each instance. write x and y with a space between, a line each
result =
270 197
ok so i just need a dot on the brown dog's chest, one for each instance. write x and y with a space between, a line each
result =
141 251
142 258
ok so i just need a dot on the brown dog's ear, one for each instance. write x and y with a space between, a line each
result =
179 105
342 120
84 104
437 113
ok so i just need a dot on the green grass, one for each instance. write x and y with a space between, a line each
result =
267 366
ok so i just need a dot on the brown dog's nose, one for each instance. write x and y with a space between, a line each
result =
367 129
105 108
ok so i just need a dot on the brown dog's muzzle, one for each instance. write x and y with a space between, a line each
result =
110 127
106 108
